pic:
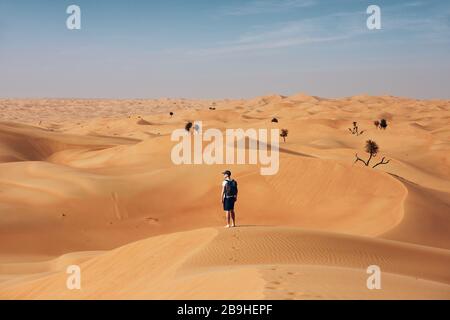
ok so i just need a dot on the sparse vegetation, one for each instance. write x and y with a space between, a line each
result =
355 130
274 120
372 149
377 124
381 124
284 133
188 126
171 114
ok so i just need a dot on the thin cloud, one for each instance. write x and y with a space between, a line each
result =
436 25
266 6
282 43
334 27
415 4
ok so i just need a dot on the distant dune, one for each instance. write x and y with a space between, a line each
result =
91 182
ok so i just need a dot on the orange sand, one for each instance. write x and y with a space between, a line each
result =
91 182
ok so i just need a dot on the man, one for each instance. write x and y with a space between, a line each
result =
229 197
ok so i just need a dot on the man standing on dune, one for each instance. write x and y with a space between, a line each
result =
229 197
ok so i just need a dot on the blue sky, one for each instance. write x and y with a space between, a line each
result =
223 49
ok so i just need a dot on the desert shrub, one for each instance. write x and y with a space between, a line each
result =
284 133
372 149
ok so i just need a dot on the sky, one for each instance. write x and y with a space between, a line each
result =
224 49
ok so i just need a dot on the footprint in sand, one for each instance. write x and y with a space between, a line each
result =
119 211
301 295
151 221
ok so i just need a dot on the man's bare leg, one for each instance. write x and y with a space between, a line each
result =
228 219
233 218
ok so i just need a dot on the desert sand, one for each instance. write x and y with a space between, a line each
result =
91 183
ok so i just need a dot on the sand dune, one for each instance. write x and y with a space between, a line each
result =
91 182
245 262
